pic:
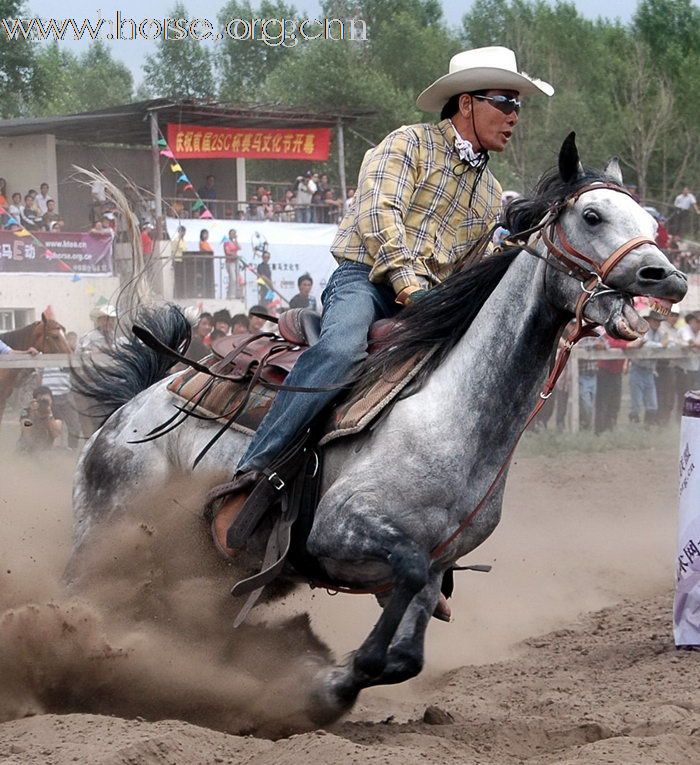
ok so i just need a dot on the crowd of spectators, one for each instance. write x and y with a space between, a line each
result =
657 386
34 211
309 199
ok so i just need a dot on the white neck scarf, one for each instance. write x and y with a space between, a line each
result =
465 150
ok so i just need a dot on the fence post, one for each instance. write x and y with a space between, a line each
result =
574 393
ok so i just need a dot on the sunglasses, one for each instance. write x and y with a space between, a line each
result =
505 104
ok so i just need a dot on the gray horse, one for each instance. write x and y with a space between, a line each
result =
394 501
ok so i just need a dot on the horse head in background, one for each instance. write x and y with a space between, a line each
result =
46 335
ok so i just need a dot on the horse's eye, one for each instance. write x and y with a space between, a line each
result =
591 217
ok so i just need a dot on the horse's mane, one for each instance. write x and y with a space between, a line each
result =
19 338
437 321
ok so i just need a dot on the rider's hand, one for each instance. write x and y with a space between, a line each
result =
32 351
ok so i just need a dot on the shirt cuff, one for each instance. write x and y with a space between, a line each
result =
404 279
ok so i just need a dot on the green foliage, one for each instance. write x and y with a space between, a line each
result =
19 79
180 68
71 84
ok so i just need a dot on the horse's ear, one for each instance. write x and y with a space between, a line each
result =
570 167
614 171
47 314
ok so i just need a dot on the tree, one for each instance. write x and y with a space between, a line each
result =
248 56
18 76
71 84
181 68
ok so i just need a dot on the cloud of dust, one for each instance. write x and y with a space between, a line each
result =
145 626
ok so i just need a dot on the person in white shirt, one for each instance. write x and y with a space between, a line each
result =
689 367
685 204
42 198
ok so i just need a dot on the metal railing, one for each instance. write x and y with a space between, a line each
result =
233 210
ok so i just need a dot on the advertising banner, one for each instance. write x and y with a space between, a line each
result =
199 142
686 611
56 253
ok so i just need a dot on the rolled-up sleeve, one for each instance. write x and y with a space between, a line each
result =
387 182
4 348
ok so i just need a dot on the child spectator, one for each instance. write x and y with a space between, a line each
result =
240 324
304 298
204 244
199 347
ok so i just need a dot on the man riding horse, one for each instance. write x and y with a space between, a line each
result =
425 199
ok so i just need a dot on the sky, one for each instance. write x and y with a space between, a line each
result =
133 53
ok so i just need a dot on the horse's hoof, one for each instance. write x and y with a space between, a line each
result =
332 695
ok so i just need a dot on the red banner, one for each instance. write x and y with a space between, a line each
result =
198 142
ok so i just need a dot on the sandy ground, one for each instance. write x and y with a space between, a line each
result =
562 654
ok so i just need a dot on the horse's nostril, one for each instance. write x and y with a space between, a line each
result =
653 274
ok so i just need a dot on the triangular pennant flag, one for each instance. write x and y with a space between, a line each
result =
3 211
162 142
75 278
175 167
197 204
48 254
188 187
64 266
167 153
206 214
182 179
22 232
270 295
261 281
11 222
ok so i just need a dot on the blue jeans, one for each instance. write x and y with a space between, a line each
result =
642 390
351 304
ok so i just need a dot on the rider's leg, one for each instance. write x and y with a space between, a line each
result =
351 303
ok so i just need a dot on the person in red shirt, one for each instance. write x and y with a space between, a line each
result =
231 250
147 239
609 389
662 238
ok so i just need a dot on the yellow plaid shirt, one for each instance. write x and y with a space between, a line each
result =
411 215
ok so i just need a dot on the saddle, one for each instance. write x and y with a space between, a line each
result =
236 385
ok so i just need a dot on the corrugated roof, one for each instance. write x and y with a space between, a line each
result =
129 124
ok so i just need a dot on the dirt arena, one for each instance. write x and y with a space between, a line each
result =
562 654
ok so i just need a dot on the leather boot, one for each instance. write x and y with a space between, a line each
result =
224 503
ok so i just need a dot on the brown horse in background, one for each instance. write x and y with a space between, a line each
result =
46 335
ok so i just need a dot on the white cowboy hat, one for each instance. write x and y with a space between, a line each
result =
106 309
493 68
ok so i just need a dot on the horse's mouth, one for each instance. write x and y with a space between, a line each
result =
625 323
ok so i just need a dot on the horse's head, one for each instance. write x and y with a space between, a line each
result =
48 336
601 236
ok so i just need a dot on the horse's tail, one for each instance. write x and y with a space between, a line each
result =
132 366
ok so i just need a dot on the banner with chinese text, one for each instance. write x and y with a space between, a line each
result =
199 142
61 253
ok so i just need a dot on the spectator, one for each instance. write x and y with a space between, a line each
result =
3 192
222 324
204 243
323 185
40 428
15 209
289 207
72 340
42 198
264 272
57 225
304 298
684 205
643 392
102 337
231 250
662 236
199 347
50 216
28 216
304 188
178 246
331 213
588 381
609 388
207 193
240 324
349 200
57 380
266 208
257 323
147 239
689 367
317 207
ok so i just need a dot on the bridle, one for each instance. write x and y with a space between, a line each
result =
592 277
